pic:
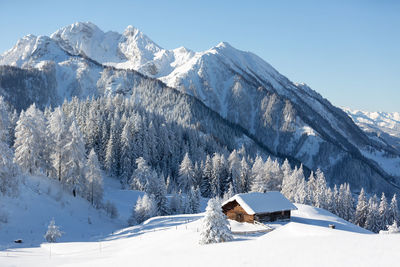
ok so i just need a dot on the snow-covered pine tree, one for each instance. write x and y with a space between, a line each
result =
110 162
194 200
257 179
330 200
215 176
7 121
8 170
394 215
127 160
222 171
393 228
383 213
58 129
349 204
145 208
341 206
53 232
75 161
160 196
311 188
30 137
275 182
335 199
300 195
372 221
205 186
320 190
186 178
141 175
244 176
361 209
170 184
228 194
286 169
94 180
234 170
198 173
175 203
214 228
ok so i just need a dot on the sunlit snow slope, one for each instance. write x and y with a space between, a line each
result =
173 240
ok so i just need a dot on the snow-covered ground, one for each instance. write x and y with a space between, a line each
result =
173 240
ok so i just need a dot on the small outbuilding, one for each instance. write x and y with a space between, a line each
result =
260 207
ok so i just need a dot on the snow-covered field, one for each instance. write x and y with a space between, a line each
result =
173 241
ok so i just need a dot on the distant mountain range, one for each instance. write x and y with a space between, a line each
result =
285 119
382 125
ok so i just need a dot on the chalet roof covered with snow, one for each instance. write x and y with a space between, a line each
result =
256 202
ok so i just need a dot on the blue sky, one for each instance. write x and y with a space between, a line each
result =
349 51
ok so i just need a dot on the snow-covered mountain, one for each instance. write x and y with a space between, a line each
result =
289 120
383 125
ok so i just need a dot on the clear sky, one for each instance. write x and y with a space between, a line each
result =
349 51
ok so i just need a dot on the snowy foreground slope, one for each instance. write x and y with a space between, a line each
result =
173 240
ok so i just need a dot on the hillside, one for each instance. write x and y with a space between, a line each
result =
231 87
175 239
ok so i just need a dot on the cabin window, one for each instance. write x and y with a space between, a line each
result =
239 217
283 212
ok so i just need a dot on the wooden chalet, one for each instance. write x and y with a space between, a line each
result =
261 207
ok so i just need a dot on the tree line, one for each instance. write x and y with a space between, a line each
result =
75 142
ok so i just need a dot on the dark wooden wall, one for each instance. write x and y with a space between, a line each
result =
274 216
235 212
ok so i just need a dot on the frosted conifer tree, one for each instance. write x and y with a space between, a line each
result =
8 170
330 200
320 190
286 169
300 195
175 204
58 129
94 180
349 204
361 209
160 196
53 232
127 159
393 228
141 175
30 140
186 178
145 208
216 175
383 212
244 176
205 186
234 170
394 211
194 200
214 228
372 223
75 157
312 188
256 174
228 194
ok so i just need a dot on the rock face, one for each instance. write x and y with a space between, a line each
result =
286 119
